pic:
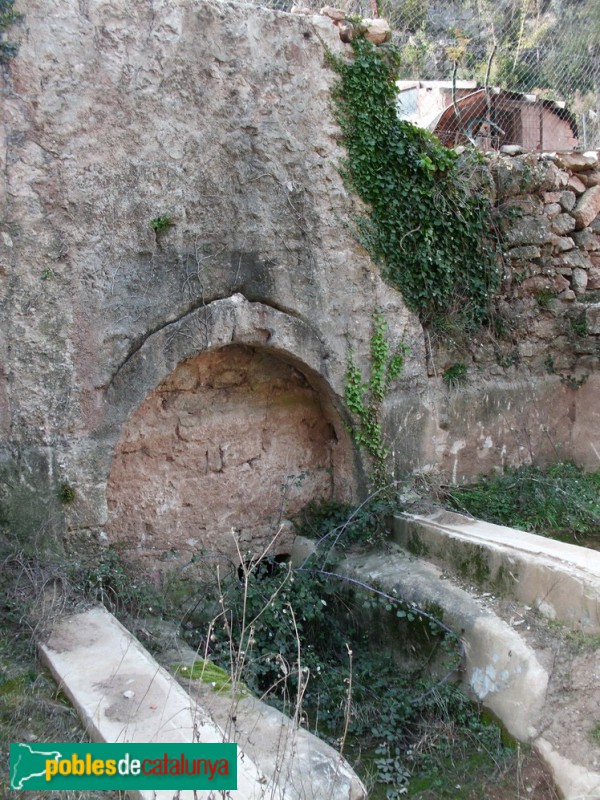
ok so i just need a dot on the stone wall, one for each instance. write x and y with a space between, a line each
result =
531 383
549 209
216 117
546 319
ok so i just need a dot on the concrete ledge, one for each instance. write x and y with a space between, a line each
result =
501 669
123 695
561 580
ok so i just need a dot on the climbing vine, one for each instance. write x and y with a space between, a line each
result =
426 225
7 18
364 399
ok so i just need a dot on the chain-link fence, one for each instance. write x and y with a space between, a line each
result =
497 72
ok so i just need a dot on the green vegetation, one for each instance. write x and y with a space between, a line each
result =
159 224
48 274
66 493
428 225
204 670
579 325
372 673
364 399
561 501
544 297
8 17
32 706
366 671
455 375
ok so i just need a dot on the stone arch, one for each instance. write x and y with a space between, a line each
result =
237 435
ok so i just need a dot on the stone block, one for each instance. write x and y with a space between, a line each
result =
524 253
593 278
576 162
576 184
591 178
571 259
562 224
592 315
586 239
377 31
579 280
561 244
333 13
551 197
587 208
529 231
552 210
567 200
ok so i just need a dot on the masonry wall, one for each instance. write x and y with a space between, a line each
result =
216 117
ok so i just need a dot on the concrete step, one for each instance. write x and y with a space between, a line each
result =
561 580
501 668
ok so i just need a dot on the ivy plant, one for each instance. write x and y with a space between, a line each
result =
425 225
8 16
365 398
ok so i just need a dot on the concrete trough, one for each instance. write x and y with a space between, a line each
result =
501 670
562 581
123 695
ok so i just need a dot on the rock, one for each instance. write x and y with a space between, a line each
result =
567 200
552 210
302 10
560 283
576 162
561 244
567 295
587 208
576 185
536 283
591 178
346 29
592 315
579 280
551 197
528 231
333 13
524 253
377 31
511 149
593 278
563 223
571 259
587 239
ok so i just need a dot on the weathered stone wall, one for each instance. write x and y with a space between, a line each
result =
216 115
549 209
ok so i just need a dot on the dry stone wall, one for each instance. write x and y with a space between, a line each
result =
549 210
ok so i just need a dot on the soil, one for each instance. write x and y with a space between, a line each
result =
532 781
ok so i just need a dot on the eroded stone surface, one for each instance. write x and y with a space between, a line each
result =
233 440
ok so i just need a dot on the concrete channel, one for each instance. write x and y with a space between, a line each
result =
462 565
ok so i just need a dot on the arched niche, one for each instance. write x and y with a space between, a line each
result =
231 444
